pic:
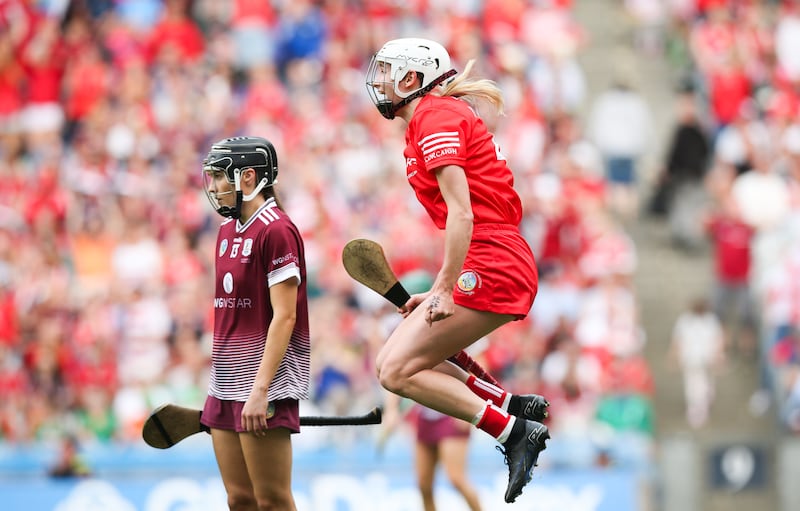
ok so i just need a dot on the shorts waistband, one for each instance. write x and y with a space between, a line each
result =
494 227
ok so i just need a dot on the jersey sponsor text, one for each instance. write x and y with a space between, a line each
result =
438 154
280 260
233 303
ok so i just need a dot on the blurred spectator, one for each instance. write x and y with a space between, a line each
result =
732 298
763 198
698 347
621 126
571 378
69 462
175 35
649 20
743 143
42 57
787 39
790 408
559 83
712 37
12 79
626 401
252 28
680 191
729 89
300 34
786 350
91 251
785 356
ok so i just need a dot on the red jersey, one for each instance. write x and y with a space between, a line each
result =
447 131
499 272
265 251
731 240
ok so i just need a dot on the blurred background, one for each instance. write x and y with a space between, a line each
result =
656 147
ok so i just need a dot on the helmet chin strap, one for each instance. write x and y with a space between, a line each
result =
389 110
252 195
236 211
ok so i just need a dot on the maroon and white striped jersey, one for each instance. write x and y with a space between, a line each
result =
263 252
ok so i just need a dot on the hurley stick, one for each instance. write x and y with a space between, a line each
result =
365 261
169 424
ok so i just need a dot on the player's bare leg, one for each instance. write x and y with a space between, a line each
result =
453 456
269 462
256 470
406 366
233 470
425 460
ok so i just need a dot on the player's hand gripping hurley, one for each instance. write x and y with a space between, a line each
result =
365 261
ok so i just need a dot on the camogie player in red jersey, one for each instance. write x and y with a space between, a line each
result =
488 275
261 352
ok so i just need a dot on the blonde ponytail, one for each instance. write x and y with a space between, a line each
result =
473 90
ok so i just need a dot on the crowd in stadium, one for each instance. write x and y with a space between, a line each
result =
106 237
743 65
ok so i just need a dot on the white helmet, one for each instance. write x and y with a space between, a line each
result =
399 56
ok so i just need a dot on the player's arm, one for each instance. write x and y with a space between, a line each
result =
458 233
283 297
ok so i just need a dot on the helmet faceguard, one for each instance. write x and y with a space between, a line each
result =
233 156
394 61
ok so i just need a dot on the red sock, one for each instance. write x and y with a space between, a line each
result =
496 422
488 392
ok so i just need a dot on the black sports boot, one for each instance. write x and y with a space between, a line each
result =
532 407
522 450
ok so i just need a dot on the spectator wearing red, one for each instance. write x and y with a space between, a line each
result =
731 299
86 82
123 44
713 37
729 89
251 32
9 325
12 80
787 350
178 31
43 58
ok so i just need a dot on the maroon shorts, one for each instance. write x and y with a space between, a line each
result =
221 414
433 427
499 273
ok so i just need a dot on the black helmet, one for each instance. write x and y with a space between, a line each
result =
232 156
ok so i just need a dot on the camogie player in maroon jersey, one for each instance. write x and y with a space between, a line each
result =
488 275
261 353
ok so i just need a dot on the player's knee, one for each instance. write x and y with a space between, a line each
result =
389 380
240 501
275 502
391 376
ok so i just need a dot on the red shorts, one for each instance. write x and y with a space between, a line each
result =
223 414
433 427
499 273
